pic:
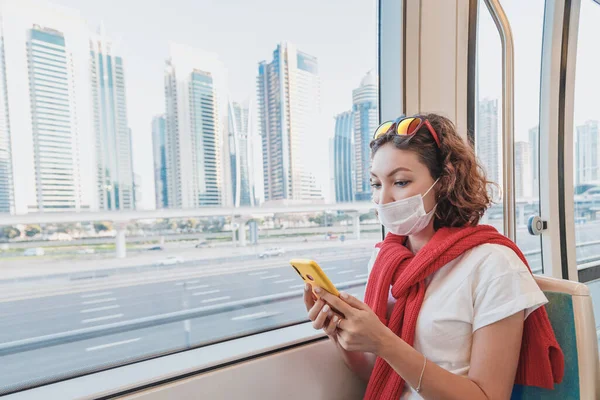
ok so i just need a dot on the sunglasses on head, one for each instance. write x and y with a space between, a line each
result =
406 126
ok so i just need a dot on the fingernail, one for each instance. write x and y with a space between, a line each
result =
343 295
307 287
317 290
335 319
325 308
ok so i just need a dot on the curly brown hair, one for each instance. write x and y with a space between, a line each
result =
462 191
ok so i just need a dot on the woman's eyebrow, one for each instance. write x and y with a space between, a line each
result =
393 172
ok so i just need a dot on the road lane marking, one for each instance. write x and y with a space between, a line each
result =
361 275
188 282
98 301
100 308
330 268
270 277
262 314
104 346
258 273
285 280
87 296
198 287
216 299
114 316
345 272
206 292
297 286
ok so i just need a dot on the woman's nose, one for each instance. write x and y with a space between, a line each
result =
385 196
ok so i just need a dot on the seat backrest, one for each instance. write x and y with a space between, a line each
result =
570 311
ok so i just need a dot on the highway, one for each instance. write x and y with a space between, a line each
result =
46 315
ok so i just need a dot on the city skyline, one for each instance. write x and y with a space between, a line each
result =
86 130
249 36
111 138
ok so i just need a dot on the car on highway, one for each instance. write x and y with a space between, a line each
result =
156 248
272 252
171 260
201 244
86 251
35 251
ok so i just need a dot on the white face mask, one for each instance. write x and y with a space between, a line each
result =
407 216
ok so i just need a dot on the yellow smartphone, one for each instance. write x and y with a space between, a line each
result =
312 273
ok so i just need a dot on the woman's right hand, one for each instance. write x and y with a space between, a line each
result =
320 313
361 363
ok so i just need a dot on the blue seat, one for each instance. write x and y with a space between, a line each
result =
571 314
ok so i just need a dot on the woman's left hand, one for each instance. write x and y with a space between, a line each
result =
361 329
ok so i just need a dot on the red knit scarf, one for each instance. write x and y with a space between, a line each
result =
541 361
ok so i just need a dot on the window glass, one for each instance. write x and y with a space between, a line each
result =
169 163
526 20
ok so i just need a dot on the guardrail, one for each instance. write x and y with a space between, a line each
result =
155 320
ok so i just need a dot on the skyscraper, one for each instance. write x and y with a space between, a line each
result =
523 182
47 108
55 142
160 161
365 108
587 153
343 157
112 136
487 139
6 175
193 129
289 114
534 151
240 153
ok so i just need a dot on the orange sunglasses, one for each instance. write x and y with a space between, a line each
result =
406 126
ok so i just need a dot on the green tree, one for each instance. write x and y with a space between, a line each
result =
103 226
9 232
32 230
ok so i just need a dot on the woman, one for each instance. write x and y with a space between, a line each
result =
448 303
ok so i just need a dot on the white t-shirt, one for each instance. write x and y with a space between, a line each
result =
485 285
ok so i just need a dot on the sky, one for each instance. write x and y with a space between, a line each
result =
341 34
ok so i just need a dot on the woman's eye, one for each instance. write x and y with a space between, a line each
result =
375 185
401 183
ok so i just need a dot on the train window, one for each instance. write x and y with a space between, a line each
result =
158 169
586 149
526 20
